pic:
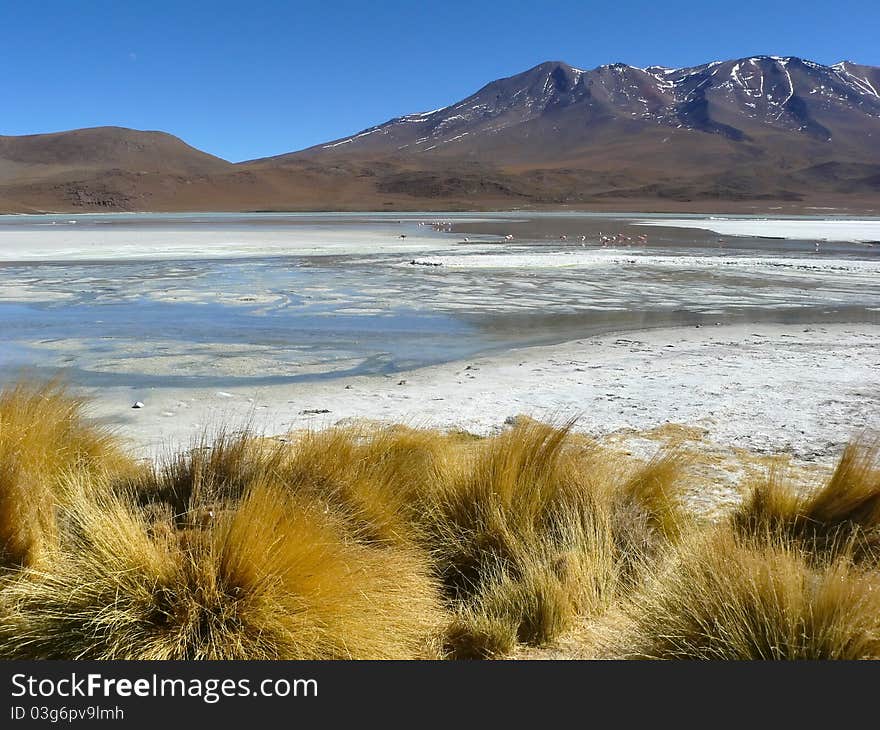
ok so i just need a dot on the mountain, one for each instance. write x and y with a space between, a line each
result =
764 131
754 128
555 111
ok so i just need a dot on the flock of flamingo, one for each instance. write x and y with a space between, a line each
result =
616 239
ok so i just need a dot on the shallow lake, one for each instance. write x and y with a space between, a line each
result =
231 299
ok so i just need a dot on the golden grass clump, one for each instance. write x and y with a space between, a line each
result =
525 531
272 577
381 542
842 517
188 487
532 605
533 529
374 476
371 477
44 437
721 597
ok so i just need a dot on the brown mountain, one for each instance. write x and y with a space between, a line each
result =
749 133
110 168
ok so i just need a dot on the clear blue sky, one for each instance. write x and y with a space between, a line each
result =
252 78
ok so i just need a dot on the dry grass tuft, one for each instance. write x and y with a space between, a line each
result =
842 517
725 598
394 542
371 477
533 607
44 437
272 577
533 530
526 531
190 485
374 477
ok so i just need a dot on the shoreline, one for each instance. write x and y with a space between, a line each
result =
846 205
182 237
800 390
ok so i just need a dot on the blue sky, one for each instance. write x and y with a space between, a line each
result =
250 79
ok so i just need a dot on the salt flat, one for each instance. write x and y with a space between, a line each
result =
184 244
804 390
617 257
841 229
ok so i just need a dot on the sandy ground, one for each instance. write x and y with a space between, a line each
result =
800 390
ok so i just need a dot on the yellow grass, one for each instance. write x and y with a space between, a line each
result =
43 438
725 598
533 529
395 542
270 578
842 516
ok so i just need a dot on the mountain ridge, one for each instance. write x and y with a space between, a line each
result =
744 131
674 95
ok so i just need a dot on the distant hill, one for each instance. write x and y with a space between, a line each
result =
101 148
99 168
759 132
